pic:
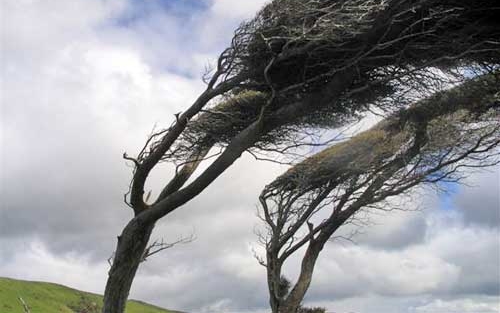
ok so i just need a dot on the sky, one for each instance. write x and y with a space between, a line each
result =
83 81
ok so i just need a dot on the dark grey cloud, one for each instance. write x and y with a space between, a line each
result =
479 201
393 230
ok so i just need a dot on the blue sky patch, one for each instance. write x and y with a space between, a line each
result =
140 9
446 198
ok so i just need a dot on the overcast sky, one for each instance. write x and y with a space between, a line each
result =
82 81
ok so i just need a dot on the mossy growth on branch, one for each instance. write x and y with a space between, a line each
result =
451 120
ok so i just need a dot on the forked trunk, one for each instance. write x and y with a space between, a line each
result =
129 251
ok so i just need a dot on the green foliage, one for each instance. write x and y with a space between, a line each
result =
52 298
284 287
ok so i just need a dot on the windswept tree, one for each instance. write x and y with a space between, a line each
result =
432 141
300 64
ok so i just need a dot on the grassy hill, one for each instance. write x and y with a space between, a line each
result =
52 298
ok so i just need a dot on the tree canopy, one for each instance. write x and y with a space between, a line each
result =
319 63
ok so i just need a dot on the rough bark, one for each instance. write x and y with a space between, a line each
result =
274 301
294 299
130 248
274 282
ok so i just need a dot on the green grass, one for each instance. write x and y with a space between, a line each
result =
44 297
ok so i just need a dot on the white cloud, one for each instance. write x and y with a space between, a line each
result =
237 9
33 261
348 271
490 305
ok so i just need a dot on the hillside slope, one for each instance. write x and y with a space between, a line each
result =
44 297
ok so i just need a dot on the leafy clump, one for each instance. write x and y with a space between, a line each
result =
86 305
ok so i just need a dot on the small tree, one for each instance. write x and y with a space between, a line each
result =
299 64
432 141
85 305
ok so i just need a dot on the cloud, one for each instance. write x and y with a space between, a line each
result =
466 247
378 304
89 103
390 230
463 305
31 260
479 199
360 271
236 9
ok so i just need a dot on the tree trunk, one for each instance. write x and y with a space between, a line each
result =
295 297
129 251
273 281
316 245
